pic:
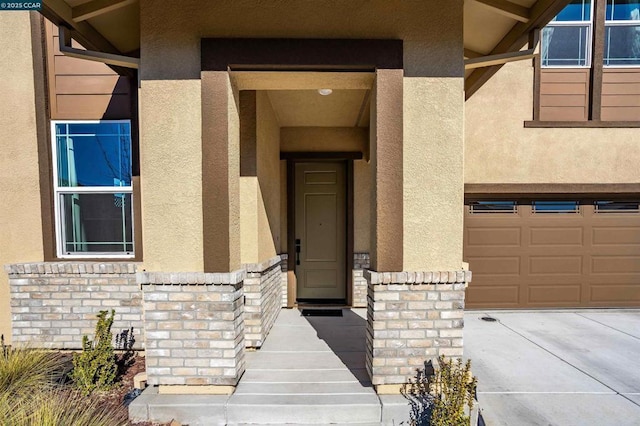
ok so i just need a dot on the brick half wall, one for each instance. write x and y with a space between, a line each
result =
263 297
53 304
412 317
194 327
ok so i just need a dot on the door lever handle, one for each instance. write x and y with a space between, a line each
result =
297 251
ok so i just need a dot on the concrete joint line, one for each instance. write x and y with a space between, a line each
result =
608 326
568 363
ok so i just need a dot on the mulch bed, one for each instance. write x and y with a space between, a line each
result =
119 395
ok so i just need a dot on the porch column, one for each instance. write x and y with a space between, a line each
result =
220 173
416 290
386 171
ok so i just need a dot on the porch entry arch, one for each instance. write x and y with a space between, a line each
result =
229 64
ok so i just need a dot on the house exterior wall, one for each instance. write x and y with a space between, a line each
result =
268 168
20 209
81 89
433 110
499 149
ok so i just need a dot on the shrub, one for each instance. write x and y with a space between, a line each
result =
438 395
95 367
24 371
72 408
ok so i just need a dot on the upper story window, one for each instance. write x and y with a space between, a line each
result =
622 33
92 188
566 40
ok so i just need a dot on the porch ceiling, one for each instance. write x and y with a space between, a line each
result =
490 27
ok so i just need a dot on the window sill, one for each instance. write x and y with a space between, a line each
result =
580 124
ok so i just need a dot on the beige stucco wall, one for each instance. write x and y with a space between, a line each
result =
433 104
324 139
433 173
361 206
260 194
171 175
498 149
20 223
268 168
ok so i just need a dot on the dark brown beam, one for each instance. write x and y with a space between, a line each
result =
59 12
597 61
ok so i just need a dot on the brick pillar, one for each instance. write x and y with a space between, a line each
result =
412 317
194 327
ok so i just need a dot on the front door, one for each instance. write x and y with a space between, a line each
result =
320 230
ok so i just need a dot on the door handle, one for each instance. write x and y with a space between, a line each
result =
297 251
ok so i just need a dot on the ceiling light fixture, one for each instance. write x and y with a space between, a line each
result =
325 92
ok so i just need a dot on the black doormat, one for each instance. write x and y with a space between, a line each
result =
322 312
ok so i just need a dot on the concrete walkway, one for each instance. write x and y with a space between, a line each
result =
310 370
556 368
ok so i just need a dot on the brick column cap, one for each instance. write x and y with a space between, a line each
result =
427 277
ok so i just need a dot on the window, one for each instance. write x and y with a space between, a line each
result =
92 188
609 206
566 40
622 33
556 207
493 207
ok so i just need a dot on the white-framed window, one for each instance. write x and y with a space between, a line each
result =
566 40
92 188
622 34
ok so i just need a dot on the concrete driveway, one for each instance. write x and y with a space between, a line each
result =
577 367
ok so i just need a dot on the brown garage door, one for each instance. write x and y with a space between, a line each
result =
542 254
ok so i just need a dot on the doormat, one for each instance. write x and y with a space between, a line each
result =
322 312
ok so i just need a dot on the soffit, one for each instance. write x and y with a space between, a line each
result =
490 26
308 108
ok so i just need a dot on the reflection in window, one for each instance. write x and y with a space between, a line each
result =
93 188
493 207
622 33
555 207
566 40
576 10
608 206
565 46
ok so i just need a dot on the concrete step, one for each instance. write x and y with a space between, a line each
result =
304 360
352 388
303 409
338 375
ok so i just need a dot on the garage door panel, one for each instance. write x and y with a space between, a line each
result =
622 295
611 236
494 266
555 265
493 295
543 259
615 264
554 294
556 236
494 237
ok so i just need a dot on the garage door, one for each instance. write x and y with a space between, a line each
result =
543 254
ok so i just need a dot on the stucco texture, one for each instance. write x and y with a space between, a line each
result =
498 149
433 108
171 175
361 206
433 173
260 194
20 211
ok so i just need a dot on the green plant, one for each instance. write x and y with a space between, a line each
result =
439 394
95 368
24 371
